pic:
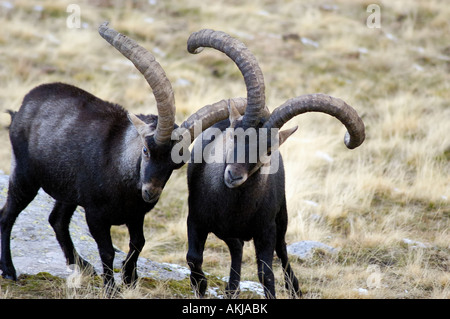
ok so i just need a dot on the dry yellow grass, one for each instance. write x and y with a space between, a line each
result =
364 202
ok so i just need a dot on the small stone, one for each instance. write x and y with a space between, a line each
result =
305 249
415 244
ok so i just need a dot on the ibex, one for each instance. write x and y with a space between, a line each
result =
88 152
235 199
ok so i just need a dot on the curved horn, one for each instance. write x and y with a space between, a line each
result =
321 103
211 114
154 74
246 63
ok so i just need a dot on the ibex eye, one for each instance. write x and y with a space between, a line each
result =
145 151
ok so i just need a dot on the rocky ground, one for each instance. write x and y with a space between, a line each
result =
35 249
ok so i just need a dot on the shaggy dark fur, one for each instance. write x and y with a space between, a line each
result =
254 210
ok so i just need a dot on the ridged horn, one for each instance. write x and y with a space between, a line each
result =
246 62
211 114
321 103
154 74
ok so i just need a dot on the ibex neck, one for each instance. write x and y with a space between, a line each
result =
129 154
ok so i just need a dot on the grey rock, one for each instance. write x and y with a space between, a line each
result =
415 244
35 249
305 249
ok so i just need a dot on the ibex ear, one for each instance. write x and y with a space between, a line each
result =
234 113
283 135
142 127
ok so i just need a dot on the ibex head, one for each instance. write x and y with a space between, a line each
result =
156 165
260 127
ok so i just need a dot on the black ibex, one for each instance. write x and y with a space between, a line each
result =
233 198
88 152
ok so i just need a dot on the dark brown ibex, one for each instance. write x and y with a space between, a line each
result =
233 198
88 152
